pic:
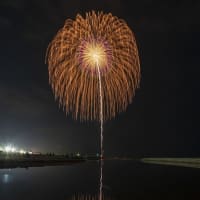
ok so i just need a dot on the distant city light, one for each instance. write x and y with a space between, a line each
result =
22 151
11 149
8 149
78 154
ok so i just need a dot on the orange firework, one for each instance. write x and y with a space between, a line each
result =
99 48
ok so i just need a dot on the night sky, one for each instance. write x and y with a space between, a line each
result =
163 119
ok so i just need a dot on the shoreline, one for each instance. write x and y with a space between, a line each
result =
10 164
178 162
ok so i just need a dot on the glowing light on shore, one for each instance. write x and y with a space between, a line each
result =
22 151
12 149
8 149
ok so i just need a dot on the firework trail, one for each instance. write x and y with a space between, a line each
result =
94 68
101 128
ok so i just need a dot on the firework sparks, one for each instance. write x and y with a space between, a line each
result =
86 48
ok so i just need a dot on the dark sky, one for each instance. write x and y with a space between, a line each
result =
164 116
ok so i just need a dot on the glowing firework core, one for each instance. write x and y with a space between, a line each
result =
93 53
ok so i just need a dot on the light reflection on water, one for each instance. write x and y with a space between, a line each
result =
6 176
89 197
122 180
99 196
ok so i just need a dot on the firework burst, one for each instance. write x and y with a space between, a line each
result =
88 47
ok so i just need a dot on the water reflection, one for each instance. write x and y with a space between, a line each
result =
89 197
101 180
100 196
6 176
121 180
